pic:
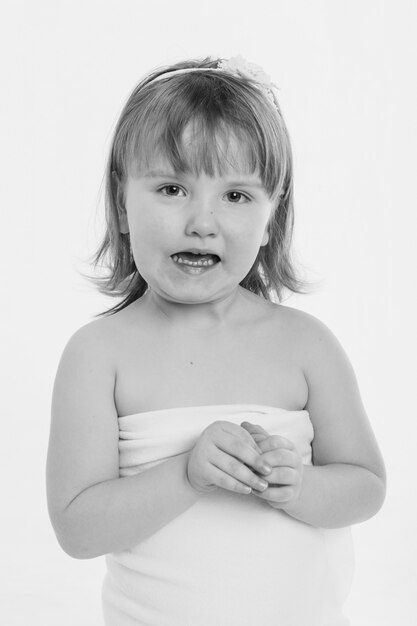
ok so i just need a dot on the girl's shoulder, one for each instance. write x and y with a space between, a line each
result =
95 332
95 340
283 318
310 338
301 323
101 341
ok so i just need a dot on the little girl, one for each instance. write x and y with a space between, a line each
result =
209 441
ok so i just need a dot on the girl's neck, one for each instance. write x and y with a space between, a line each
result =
214 315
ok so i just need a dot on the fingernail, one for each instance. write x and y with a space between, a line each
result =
266 469
262 485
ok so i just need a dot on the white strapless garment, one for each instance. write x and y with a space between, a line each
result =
230 559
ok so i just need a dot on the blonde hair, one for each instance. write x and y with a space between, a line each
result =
215 103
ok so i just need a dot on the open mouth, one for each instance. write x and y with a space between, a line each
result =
195 263
194 259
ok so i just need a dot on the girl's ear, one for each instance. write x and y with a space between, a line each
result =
124 226
265 237
121 210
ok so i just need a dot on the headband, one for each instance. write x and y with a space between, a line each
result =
237 66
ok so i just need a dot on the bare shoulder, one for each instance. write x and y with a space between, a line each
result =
304 330
316 340
86 372
96 332
296 319
312 344
95 339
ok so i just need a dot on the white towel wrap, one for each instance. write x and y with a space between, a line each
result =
230 559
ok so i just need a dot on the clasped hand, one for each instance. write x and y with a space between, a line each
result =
285 479
246 459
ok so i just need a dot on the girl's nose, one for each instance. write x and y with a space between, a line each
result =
202 221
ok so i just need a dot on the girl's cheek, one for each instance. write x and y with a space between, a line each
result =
144 227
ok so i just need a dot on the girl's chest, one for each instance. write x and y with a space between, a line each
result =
189 371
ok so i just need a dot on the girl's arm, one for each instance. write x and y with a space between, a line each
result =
92 510
347 482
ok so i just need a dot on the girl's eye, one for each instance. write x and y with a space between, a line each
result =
235 200
171 187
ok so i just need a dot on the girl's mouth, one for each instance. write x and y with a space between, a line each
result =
192 263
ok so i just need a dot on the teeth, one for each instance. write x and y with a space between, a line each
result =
202 263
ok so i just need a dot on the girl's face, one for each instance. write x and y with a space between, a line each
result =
171 217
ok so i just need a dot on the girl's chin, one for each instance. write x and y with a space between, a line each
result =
193 294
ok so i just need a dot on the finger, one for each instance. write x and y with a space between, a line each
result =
264 445
243 451
281 476
237 431
277 441
231 428
257 433
238 471
225 481
274 442
254 429
258 438
281 457
279 495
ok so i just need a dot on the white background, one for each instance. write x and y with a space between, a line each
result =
347 78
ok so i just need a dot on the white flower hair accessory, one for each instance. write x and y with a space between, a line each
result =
241 67
237 66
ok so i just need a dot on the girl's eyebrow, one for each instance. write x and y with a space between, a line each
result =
253 182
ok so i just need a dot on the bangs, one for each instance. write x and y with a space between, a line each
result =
197 126
195 149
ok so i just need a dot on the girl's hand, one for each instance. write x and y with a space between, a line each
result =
220 458
286 477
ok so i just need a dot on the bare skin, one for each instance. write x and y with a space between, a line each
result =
251 358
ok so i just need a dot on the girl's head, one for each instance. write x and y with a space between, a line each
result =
200 125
